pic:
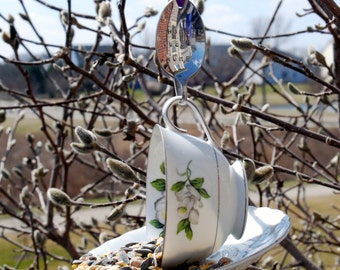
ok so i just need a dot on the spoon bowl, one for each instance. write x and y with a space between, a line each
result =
180 43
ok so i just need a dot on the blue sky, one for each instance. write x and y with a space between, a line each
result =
232 16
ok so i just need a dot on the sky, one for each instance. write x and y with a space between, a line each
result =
236 17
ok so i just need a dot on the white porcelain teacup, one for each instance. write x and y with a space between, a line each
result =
195 198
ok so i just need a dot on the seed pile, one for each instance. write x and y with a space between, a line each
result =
137 256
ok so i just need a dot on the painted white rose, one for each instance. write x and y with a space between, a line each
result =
193 216
160 209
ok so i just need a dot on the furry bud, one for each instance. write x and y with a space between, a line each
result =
104 132
39 238
58 197
262 174
225 139
85 136
141 26
104 12
121 169
249 167
80 148
242 44
149 12
26 196
116 213
200 6
303 146
293 88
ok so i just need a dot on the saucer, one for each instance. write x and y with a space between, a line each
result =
265 228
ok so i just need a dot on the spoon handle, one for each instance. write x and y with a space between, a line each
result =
169 124
181 90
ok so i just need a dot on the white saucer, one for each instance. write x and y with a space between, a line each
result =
265 228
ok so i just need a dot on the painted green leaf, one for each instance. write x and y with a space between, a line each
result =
203 193
182 225
159 184
155 222
178 186
162 234
188 232
197 182
162 167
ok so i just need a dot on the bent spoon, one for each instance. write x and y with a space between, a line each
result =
180 43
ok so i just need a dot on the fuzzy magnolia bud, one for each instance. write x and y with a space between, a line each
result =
6 38
335 160
121 169
129 77
30 138
10 18
58 197
233 52
149 12
116 213
297 166
104 132
40 172
64 18
303 146
85 136
252 89
141 26
37 148
265 107
140 59
110 64
18 171
258 134
5 174
249 167
235 91
293 88
104 12
225 139
316 58
242 44
26 196
39 239
103 237
49 148
130 130
262 174
80 148
200 6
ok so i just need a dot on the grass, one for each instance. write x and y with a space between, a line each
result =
10 254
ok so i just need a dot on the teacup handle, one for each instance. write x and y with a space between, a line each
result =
169 124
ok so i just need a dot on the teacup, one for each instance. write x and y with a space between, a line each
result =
195 198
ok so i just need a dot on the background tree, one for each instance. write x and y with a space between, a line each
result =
91 142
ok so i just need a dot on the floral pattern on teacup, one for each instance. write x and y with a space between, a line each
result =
189 193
